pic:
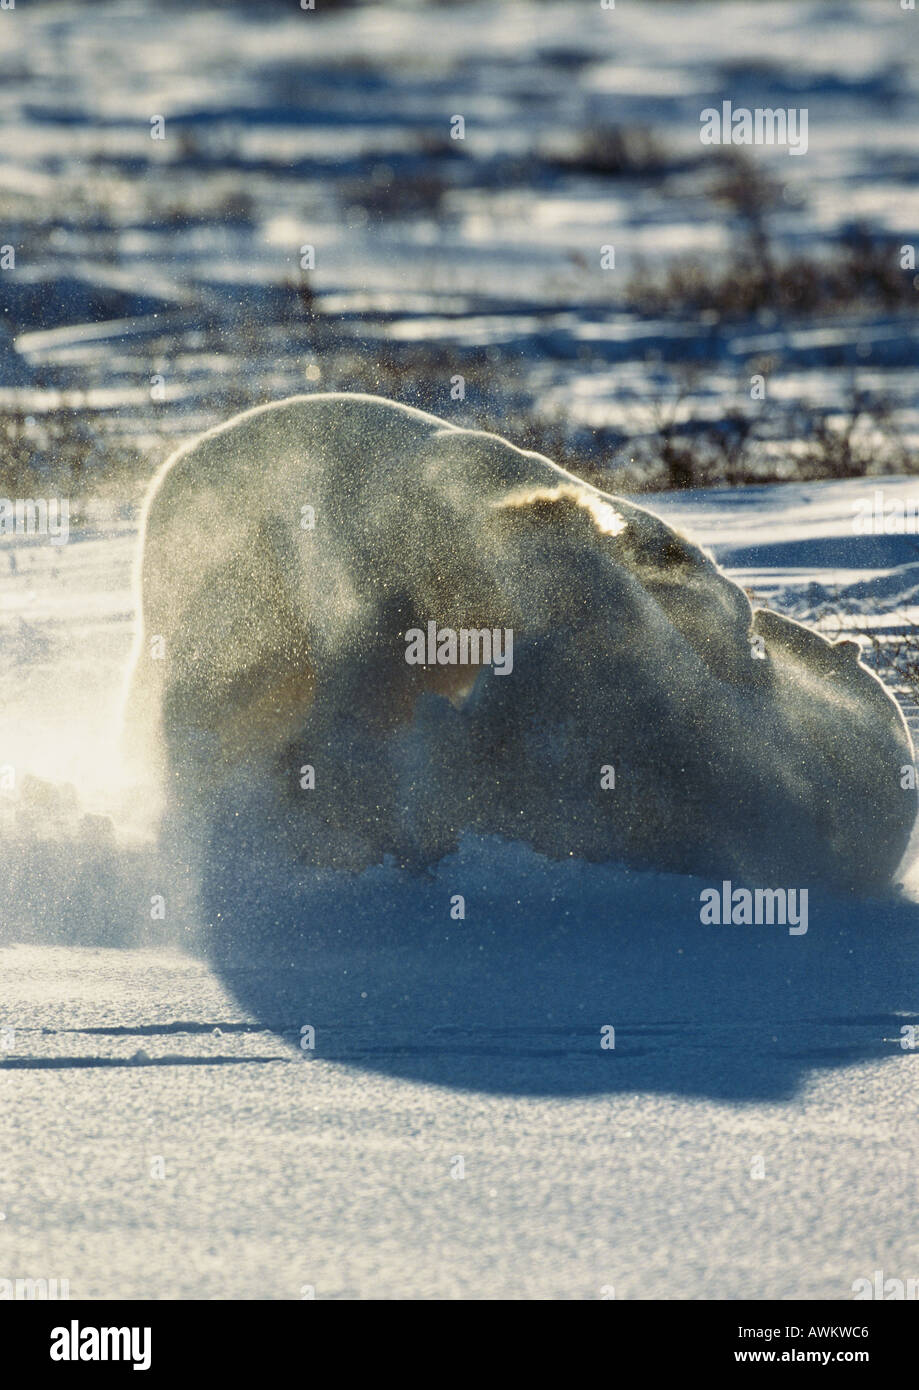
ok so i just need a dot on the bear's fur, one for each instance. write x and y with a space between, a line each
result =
742 744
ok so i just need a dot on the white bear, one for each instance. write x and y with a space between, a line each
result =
292 558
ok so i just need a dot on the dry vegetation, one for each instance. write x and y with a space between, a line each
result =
61 453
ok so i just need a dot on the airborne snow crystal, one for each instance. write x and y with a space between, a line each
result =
744 744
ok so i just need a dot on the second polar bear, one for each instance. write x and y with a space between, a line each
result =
309 572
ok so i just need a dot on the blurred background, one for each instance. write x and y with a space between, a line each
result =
211 206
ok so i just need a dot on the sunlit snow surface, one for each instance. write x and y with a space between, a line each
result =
329 1166
289 1167
287 129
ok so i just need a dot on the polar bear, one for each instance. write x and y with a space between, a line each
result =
308 574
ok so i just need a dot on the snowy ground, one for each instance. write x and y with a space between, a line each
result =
156 283
437 1041
164 1134
281 1173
